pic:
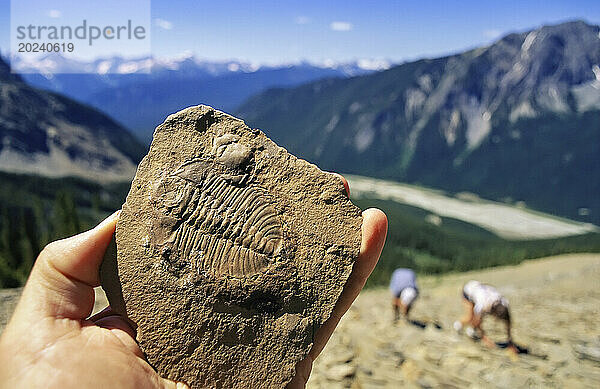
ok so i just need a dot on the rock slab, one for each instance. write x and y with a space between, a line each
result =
231 252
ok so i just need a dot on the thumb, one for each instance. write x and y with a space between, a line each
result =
168 384
65 273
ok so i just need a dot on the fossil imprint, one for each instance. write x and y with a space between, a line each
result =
220 224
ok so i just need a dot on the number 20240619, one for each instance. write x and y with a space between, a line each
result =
46 47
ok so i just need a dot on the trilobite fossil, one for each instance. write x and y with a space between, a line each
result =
219 225
231 253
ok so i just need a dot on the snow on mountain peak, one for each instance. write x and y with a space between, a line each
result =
373 64
186 61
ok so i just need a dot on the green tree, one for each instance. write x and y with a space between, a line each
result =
65 216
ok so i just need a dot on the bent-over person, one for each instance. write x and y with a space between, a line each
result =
403 286
480 300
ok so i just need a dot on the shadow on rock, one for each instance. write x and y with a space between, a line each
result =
423 324
520 349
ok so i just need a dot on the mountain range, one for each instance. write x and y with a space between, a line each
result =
515 121
48 134
518 120
140 93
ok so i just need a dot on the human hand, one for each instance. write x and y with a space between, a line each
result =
49 342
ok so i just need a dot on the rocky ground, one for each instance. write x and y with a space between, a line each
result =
555 306
8 302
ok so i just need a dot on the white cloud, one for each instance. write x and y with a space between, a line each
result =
164 24
54 13
341 26
492 34
302 20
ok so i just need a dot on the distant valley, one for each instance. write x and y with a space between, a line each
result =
506 221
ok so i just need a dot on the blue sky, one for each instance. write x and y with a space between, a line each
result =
281 31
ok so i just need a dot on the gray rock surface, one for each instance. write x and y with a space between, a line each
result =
231 252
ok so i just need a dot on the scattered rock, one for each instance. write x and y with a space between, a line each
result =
588 351
547 338
226 273
410 370
8 302
400 355
341 357
339 372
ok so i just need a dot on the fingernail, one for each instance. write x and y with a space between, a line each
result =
113 216
181 385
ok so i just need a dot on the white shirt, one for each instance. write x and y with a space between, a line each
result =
483 296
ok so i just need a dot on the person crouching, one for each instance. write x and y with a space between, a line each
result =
403 286
480 300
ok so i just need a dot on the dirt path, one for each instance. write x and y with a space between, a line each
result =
555 306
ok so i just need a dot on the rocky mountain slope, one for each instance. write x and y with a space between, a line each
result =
142 92
47 134
517 120
554 308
